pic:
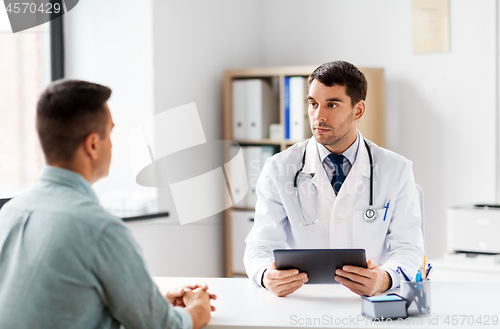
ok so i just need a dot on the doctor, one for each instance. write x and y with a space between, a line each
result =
333 207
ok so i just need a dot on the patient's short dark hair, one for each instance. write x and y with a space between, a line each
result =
67 112
343 74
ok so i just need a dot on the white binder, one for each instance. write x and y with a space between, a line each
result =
261 109
239 104
266 153
254 167
299 120
241 224
238 183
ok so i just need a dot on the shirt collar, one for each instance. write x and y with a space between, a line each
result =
351 153
69 178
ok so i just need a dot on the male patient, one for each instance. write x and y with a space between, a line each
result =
64 261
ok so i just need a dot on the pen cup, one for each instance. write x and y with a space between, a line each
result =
418 296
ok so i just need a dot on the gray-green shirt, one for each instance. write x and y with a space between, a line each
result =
67 263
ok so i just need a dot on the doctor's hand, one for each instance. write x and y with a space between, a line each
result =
364 281
175 296
282 283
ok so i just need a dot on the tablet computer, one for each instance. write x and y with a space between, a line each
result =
319 264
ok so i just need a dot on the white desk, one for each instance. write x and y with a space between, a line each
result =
240 304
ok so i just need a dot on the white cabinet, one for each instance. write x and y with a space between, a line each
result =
460 268
171 249
241 224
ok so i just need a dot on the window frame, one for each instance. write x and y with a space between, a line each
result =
57 48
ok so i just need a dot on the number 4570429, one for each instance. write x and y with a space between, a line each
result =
472 320
30 7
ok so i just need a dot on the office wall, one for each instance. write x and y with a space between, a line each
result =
194 42
440 106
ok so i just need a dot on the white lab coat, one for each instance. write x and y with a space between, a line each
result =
397 241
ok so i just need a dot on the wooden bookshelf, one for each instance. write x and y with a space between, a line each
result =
372 125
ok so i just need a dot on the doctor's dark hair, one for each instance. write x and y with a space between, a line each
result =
343 74
67 112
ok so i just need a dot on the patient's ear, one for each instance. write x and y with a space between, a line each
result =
91 145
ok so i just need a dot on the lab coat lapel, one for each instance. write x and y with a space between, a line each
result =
314 166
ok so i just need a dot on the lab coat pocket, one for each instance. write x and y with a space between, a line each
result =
370 235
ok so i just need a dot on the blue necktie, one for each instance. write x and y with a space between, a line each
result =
338 175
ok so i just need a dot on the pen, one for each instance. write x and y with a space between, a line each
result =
411 296
429 271
418 277
386 208
400 270
420 299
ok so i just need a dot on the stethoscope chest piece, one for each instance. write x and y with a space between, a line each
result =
370 214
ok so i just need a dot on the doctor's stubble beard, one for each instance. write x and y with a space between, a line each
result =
334 139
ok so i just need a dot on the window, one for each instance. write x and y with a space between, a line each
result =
24 73
28 61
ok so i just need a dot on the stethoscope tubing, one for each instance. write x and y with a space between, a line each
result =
371 172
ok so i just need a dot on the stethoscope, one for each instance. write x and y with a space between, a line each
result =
369 215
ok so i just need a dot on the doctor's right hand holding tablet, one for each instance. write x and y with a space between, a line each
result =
282 283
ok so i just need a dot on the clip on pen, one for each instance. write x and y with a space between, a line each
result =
429 271
386 208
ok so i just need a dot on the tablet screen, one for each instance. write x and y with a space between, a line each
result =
319 264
